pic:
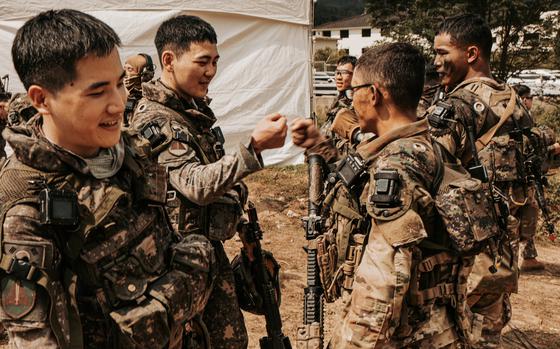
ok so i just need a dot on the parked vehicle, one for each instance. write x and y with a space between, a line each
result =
542 82
323 84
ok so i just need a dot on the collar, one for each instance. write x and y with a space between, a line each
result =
369 149
196 110
483 80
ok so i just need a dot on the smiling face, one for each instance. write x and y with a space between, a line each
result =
343 76
87 113
193 70
451 61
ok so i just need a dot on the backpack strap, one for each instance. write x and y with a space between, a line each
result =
483 140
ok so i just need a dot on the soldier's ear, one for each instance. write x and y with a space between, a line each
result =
473 52
38 97
168 60
376 94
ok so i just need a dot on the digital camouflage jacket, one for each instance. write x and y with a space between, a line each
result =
89 262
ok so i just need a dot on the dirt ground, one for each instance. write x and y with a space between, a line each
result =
280 196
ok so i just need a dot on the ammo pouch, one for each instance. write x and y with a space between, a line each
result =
248 292
467 210
158 318
223 216
141 326
339 248
501 159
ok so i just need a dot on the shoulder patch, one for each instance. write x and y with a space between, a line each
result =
177 148
18 297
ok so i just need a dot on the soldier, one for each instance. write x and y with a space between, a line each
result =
88 259
342 123
138 69
206 194
529 213
486 134
393 303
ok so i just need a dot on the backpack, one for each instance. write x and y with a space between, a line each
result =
464 205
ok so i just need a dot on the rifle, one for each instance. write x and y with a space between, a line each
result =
310 334
253 234
534 168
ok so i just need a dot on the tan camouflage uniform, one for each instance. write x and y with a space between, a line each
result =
393 303
209 195
120 278
342 117
475 100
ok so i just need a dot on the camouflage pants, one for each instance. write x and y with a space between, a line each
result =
222 315
496 309
527 215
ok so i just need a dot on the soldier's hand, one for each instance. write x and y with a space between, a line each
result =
269 133
555 148
305 134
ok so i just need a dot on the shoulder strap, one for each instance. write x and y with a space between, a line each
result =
483 140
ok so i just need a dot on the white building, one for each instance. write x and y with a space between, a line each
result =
354 34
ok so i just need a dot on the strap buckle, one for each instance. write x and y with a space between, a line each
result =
22 269
171 195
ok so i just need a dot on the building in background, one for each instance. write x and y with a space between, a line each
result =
353 34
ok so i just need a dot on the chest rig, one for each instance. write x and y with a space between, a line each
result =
178 131
114 245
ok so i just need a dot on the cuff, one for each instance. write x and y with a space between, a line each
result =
252 160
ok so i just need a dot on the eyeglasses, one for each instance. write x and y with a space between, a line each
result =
349 93
343 72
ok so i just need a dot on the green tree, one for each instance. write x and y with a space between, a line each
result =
328 55
522 38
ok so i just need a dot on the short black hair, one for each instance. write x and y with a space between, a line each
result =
468 29
178 33
399 68
522 90
48 46
347 59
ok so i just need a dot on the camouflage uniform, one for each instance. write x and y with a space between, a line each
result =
394 302
479 103
427 98
347 123
207 195
117 277
20 109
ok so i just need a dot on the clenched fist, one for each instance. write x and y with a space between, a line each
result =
305 134
269 133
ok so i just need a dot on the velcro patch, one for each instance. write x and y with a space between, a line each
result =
18 297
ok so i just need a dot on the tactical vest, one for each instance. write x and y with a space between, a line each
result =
218 220
501 142
117 271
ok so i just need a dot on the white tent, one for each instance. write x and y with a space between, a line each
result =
264 47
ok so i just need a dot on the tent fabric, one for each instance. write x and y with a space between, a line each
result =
264 51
